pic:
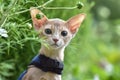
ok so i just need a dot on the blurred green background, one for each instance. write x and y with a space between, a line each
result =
94 54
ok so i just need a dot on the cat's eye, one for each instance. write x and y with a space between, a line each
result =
64 33
48 31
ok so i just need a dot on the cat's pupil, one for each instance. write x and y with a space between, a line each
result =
64 33
48 31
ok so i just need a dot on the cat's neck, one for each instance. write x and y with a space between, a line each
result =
57 54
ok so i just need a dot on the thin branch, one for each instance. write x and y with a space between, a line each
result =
3 20
60 7
41 6
6 14
45 8
47 2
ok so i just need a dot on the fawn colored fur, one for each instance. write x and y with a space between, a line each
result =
58 33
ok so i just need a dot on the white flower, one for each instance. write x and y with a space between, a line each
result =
96 77
3 33
109 67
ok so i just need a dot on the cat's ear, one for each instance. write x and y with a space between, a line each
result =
38 18
75 22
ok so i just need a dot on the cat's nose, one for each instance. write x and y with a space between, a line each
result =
55 40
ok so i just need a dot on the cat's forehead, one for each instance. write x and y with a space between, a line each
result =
56 22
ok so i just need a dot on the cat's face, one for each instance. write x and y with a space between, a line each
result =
57 33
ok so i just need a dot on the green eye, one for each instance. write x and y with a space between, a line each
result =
48 31
64 33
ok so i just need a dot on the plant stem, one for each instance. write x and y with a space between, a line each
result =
60 7
41 6
3 20
47 2
6 14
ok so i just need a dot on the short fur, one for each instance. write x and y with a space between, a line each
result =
56 48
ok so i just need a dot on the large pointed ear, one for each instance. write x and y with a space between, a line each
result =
38 18
75 22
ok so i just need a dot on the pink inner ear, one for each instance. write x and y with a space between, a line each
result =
73 28
37 25
37 22
75 22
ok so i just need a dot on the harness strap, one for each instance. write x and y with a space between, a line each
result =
47 64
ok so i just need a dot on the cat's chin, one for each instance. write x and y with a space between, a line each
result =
55 46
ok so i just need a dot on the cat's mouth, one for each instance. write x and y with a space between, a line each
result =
55 45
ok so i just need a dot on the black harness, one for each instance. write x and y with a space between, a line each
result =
47 64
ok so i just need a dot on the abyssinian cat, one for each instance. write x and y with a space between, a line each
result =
48 64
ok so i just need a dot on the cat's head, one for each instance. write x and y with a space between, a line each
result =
57 32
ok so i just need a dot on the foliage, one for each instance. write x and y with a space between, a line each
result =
94 54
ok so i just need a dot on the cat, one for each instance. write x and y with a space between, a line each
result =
57 34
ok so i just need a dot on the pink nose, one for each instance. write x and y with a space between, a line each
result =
55 40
